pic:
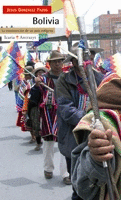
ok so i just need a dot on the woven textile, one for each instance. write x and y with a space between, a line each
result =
24 87
110 120
48 112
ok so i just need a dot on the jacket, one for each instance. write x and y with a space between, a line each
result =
68 112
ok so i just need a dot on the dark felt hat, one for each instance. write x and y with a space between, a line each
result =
74 51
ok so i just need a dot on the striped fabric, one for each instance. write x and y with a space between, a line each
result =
14 51
9 68
113 64
48 112
28 57
25 86
110 120
23 91
109 94
83 98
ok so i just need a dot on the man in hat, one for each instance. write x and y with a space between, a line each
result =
72 100
93 52
48 108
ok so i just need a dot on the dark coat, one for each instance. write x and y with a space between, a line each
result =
68 113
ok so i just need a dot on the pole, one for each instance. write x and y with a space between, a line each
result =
46 86
93 98
37 55
91 90
69 41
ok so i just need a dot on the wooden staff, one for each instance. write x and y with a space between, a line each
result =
91 89
41 83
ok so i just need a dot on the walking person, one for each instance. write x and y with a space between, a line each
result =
72 100
33 105
48 108
22 101
10 85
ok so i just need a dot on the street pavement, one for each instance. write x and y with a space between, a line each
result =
21 167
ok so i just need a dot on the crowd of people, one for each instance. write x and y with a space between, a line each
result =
63 113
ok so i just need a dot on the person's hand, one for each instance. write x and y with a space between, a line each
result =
38 80
100 145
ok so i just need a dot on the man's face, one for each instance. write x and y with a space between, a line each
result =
56 65
39 73
92 55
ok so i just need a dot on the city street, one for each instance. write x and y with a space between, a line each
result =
21 167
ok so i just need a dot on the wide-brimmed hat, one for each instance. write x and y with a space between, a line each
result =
74 51
55 55
96 50
30 63
29 68
39 66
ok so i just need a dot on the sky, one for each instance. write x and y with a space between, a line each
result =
91 9
99 8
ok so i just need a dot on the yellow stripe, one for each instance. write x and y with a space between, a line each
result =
56 5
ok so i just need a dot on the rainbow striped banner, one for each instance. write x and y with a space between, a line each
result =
113 64
14 51
27 57
11 64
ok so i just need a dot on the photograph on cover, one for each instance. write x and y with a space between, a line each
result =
60 121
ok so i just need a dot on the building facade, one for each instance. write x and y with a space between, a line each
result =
108 23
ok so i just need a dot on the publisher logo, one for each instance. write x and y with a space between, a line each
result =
20 37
